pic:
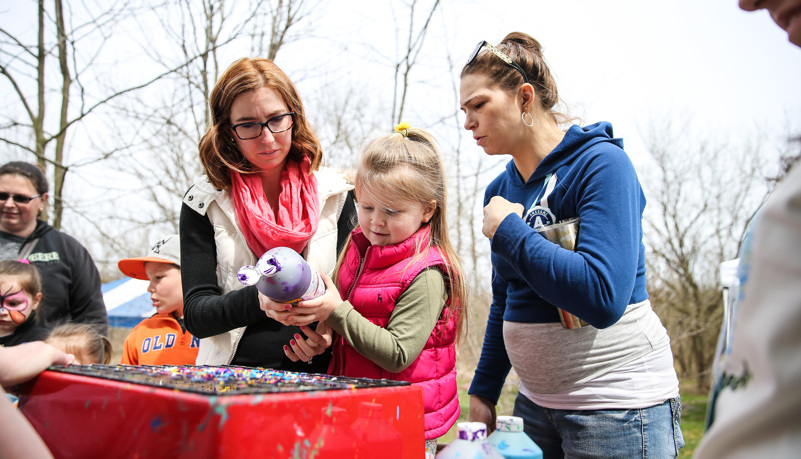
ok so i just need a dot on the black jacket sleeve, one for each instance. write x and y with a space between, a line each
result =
206 311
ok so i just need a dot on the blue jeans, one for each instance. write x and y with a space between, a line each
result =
646 433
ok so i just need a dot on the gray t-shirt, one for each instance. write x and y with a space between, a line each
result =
549 358
10 245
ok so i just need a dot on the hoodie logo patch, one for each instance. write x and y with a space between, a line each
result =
43 257
538 216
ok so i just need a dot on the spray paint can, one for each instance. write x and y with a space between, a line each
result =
282 275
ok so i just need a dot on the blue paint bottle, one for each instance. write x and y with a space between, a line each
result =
510 440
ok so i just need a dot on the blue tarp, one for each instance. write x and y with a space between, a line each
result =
127 302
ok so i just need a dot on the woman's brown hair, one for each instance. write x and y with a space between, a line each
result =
218 151
527 53
32 172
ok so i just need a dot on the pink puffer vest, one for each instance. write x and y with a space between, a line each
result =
373 278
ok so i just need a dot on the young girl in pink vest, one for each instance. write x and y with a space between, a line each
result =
400 279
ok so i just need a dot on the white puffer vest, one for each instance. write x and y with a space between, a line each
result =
233 251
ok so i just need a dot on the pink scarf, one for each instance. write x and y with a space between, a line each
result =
298 209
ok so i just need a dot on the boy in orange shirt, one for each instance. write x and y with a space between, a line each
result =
161 339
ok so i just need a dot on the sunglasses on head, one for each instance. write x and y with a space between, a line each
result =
498 53
18 198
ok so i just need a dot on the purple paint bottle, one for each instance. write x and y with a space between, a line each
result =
471 443
282 275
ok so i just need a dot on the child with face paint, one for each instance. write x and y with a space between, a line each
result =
20 295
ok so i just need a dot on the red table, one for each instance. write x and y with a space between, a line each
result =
199 412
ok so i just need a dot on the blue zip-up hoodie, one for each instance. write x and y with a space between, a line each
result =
588 175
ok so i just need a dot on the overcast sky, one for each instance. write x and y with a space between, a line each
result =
621 61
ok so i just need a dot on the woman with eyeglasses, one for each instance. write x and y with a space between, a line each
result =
264 187
70 280
603 385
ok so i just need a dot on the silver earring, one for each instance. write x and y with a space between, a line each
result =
531 118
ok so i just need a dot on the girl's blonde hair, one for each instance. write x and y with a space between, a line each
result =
407 167
81 340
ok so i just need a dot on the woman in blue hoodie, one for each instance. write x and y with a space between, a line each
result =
607 388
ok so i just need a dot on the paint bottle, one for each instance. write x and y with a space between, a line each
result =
282 275
333 437
511 441
471 443
376 432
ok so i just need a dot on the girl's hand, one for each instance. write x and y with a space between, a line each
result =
494 213
280 312
317 309
315 343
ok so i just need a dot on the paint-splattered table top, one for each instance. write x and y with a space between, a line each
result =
223 380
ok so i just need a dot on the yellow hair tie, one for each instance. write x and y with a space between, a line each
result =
402 128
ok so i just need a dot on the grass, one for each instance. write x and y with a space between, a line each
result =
692 416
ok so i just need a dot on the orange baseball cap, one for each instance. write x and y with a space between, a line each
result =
167 250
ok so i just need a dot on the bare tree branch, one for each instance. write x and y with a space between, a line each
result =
403 67
693 213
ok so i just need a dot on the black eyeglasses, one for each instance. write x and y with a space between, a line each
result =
276 124
18 198
498 53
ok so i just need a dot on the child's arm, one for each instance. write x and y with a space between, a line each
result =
19 364
25 361
410 325
18 438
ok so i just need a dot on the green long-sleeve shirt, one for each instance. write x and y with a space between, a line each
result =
410 324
